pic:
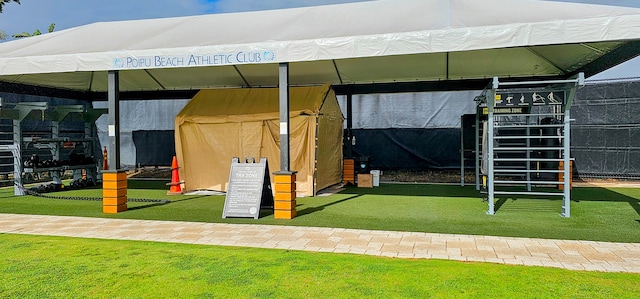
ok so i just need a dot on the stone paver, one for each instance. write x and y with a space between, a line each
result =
566 254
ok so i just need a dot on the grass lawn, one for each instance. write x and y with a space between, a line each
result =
56 267
596 213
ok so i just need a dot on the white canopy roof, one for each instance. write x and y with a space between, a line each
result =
365 42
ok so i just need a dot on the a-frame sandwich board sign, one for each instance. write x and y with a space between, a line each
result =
249 189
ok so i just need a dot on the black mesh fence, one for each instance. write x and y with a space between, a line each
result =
605 136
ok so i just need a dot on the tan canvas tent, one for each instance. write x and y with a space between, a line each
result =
219 124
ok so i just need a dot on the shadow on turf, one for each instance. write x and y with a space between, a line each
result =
415 190
590 194
310 210
595 194
604 195
156 204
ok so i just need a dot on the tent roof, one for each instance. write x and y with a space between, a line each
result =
244 104
356 43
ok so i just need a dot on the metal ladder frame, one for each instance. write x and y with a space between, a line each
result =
489 96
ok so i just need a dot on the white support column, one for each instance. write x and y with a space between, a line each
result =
490 170
491 99
566 205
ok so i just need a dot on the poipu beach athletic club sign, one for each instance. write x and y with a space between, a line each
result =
193 60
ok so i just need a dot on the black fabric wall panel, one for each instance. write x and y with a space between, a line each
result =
154 148
409 149
605 137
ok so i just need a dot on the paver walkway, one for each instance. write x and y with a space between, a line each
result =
573 255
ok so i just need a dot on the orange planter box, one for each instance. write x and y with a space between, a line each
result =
114 176
114 201
285 188
282 214
114 184
280 178
561 175
284 196
349 171
114 192
285 205
114 209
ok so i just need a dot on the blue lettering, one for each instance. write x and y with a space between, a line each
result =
248 57
192 60
241 57
168 61
132 62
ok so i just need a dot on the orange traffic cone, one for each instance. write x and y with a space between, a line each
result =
105 161
175 184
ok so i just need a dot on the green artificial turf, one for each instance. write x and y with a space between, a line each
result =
56 267
596 213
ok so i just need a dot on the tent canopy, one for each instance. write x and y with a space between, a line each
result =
219 124
357 43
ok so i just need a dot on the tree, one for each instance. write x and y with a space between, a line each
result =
3 2
3 35
37 32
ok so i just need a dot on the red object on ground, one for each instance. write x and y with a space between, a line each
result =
105 161
175 179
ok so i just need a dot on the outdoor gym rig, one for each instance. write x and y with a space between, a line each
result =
522 140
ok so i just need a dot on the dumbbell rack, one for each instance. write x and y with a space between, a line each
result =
52 142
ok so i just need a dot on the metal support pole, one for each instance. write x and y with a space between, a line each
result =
17 159
88 134
528 145
477 149
89 150
490 174
491 99
17 171
17 132
55 133
566 206
114 119
284 116
349 137
461 151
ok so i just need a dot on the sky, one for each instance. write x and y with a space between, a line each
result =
38 14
